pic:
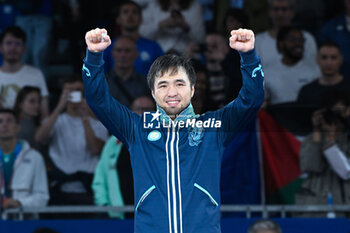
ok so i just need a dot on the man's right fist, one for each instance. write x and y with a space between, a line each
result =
97 40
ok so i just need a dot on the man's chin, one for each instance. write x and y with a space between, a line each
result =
173 112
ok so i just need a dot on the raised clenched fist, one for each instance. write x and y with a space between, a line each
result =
242 40
97 40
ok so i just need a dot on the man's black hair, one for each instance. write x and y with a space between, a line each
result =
170 63
9 111
128 2
330 43
14 31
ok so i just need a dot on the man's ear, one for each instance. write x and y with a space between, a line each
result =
152 92
192 91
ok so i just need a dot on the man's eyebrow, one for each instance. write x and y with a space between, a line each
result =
162 82
180 80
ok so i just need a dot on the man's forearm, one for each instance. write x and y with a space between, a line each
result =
43 132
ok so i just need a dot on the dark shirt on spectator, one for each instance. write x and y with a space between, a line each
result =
126 91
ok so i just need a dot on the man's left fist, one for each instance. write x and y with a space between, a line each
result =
242 40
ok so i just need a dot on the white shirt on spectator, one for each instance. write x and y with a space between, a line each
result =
282 82
266 47
172 38
68 148
11 83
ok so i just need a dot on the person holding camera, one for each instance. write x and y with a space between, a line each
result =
325 153
75 143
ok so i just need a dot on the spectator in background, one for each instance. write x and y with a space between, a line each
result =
173 23
75 143
113 181
129 19
27 109
329 140
23 170
338 30
216 51
200 97
281 13
329 59
284 79
224 80
264 226
35 18
123 76
14 74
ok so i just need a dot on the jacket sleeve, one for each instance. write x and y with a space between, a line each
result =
117 118
236 115
310 157
39 195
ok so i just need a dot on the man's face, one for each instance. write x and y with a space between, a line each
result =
8 126
173 92
124 53
129 17
281 13
12 48
217 47
329 60
293 45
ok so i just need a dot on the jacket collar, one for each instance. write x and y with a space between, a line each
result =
187 113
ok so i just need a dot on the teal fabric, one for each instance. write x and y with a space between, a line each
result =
105 184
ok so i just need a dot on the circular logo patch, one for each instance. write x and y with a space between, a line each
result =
154 136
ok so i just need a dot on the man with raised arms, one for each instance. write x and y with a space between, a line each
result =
176 166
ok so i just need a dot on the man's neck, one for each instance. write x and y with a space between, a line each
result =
328 80
11 67
289 61
123 74
132 33
8 145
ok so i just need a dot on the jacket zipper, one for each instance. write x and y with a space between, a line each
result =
144 195
207 193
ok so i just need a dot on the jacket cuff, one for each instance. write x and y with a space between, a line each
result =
249 57
94 58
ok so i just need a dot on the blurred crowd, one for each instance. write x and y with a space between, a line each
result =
54 151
